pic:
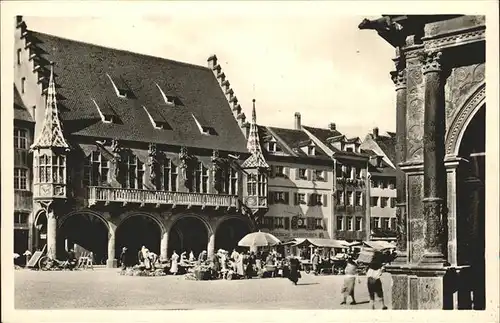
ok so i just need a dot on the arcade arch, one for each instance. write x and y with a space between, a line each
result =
230 231
137 230
189 233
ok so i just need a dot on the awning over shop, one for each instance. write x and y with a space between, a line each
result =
321 243
379 244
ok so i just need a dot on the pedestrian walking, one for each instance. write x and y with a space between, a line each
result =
374 274
349 281
294 273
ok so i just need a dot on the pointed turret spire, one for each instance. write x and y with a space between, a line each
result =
52 132
253 144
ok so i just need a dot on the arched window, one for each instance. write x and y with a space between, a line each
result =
252 184
95 170
169 178
201 178
134 172
231 182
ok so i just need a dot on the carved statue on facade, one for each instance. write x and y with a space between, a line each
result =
218 167
153 164
117 150
185 167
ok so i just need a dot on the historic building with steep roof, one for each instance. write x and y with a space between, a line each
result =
116 149
382 193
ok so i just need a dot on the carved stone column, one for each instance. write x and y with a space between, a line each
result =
434 171
164 247
399 79
111 262
51 233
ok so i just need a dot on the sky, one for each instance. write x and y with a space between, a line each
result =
314 63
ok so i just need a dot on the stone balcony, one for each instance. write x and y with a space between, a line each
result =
23 200
107 195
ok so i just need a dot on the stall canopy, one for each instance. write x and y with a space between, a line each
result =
379 245
323 243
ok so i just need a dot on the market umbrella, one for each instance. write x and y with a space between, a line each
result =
258 239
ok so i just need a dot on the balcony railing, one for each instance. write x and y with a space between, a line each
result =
23 200
129 195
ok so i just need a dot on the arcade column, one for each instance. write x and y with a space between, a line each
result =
211 246
164 247
51 233
399 78
111 262
425 281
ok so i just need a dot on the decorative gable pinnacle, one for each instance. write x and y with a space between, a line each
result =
51 135
256 160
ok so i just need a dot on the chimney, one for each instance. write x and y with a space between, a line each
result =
332 126
375 133
212 61
298 126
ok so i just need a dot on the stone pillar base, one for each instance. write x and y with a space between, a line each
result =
417 287
111 263
401 257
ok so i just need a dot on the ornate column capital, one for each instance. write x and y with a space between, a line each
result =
432 62
399 79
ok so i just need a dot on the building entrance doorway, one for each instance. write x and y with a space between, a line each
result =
135 232
471 205
188 234
229 233
87 231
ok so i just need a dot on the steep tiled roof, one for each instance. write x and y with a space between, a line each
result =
388 145
82 71
20 111
327 136
290 141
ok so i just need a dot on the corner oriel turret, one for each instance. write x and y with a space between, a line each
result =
50 151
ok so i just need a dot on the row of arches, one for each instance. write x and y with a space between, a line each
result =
94 233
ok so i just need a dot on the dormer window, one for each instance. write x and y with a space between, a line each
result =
204 129
120 87
105 112
19 56
23 85
170 100
349 149
272 147
311 150
157 120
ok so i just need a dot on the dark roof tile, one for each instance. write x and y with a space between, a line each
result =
81 75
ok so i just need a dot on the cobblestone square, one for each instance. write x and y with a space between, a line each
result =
105 289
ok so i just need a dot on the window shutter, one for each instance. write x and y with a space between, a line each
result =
324 223
325 198
286 171
314 175
287 223
393 224
297 172
325 175
309 174
273 170
287 198
309 199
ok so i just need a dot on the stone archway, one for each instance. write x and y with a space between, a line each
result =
89 230
136 230
471 202
39 230
230 231
188 233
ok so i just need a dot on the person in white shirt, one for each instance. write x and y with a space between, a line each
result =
374 274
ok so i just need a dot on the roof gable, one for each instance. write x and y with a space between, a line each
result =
84 75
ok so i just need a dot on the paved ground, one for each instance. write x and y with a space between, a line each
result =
106 289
